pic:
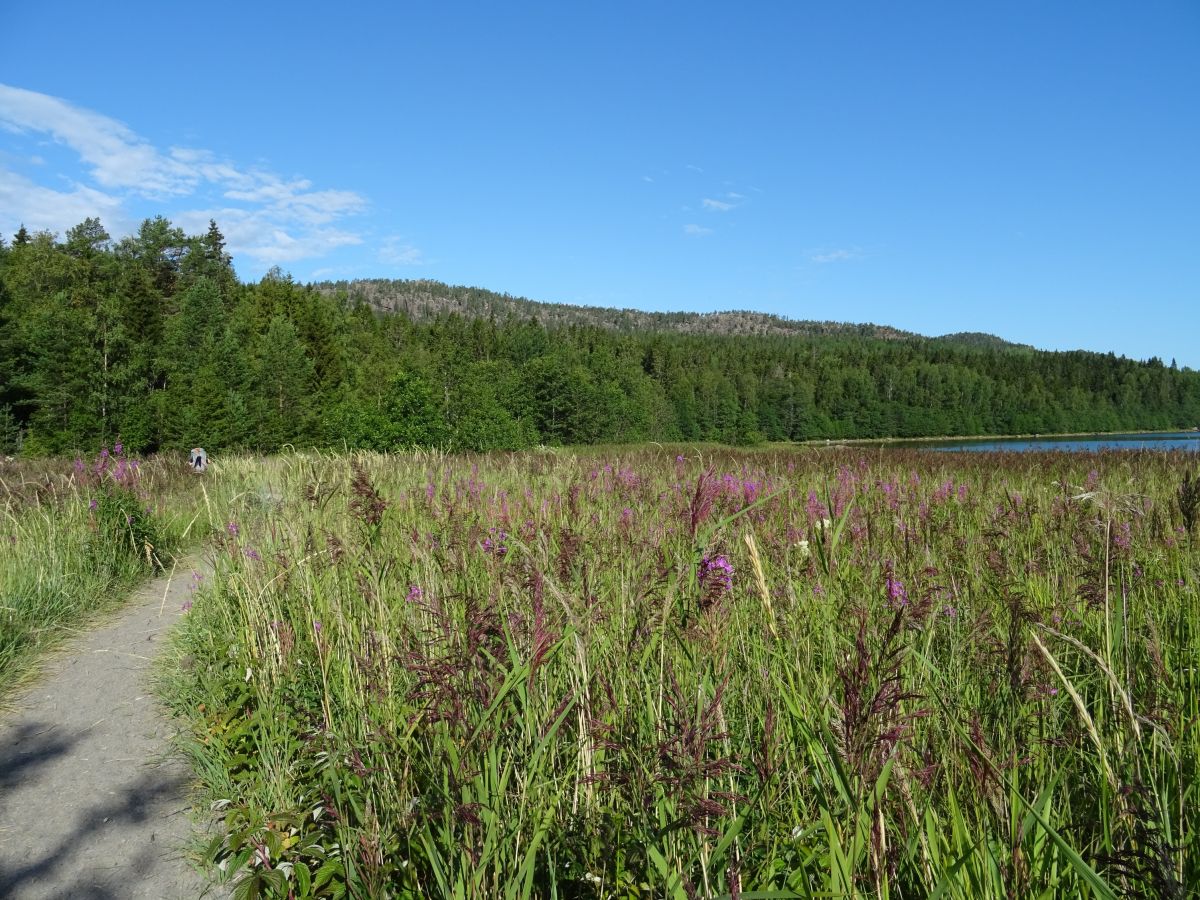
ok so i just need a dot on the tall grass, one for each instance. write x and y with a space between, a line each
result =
637 673
74 537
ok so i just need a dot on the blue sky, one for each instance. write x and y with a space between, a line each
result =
1030 169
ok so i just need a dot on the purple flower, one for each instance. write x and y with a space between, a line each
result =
715 576
816 509
232 528
1122 537
93 505
251 553
414 593
316 626
497 546
118 448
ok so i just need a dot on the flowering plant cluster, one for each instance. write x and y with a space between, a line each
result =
715 575
118 505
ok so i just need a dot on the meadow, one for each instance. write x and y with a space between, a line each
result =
657 671
665 672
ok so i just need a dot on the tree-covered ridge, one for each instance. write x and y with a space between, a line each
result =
979 339
153 339
424 299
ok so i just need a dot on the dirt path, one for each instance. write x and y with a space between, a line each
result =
92 802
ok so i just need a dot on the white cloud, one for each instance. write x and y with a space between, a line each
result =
118 158
841 254
733 195
41 208
692 168
395 251
264 236
694 230
269 219
648 179
717 205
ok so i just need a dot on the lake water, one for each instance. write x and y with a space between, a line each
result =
1175 440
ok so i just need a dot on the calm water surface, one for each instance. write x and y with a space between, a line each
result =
1176 440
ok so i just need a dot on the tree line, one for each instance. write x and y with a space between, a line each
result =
154 340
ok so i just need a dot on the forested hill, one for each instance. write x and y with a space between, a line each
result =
152 339
422 300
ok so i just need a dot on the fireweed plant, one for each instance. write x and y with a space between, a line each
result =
668 673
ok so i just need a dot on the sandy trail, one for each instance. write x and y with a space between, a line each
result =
93 803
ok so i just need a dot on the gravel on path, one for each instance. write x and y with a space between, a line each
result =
93 801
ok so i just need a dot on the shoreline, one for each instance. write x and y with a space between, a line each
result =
819 442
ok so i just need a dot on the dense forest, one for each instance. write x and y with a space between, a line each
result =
153 340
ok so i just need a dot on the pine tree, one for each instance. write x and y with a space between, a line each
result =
282 386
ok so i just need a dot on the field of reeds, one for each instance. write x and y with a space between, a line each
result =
662 673
76 535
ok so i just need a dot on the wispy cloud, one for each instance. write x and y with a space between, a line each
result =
398 252
117 156
261 235
266 218
692 168
835 255
717 205
335 273
694 230
647 179
42 208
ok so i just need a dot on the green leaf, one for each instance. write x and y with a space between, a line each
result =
671 880
303 877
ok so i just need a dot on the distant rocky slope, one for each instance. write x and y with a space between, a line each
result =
423 299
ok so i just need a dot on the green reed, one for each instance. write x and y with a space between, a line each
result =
659 672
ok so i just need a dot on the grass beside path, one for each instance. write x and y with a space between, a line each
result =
76 536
